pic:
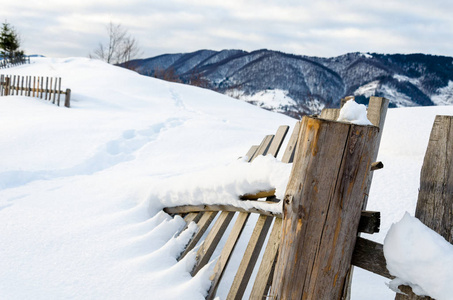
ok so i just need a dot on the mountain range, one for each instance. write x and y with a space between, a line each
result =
296 85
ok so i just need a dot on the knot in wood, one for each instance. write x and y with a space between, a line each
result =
288 199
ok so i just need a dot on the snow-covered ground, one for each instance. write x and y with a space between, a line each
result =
81 189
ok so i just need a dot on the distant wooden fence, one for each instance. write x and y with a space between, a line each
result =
47 88
10 62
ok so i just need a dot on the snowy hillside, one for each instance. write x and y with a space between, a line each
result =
78 213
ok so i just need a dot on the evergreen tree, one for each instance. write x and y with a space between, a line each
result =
9 42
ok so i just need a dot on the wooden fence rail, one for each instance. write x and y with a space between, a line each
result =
47 88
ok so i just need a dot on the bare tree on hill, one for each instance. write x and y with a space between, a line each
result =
121 46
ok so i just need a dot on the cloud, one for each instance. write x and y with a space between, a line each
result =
323 28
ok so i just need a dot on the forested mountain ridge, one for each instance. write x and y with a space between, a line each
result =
297 85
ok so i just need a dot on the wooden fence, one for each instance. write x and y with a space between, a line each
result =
10 62
313 245
310 246
47 88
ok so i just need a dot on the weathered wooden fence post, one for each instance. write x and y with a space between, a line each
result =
67 99
322 208
2 82
435 197
7 85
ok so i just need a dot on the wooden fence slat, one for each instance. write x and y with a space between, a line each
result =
251 152
203 225
17 85
225 255
59 91
265 272
37 86
288 155
50 89
47 88
206 249
277 141
41 87
7 85
191 217
263 147
54 91
434 205
12 85
250 257
22 86
67 99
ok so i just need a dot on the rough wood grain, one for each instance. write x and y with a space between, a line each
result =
249 259
67 99
7 84
288 155
263 278
330 113
435 197
277 141
369 256
263 147
1 85
225 255
376 114
206 249
322 208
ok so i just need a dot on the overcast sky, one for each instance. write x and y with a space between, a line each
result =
64 28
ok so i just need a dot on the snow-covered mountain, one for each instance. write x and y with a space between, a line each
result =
296 85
